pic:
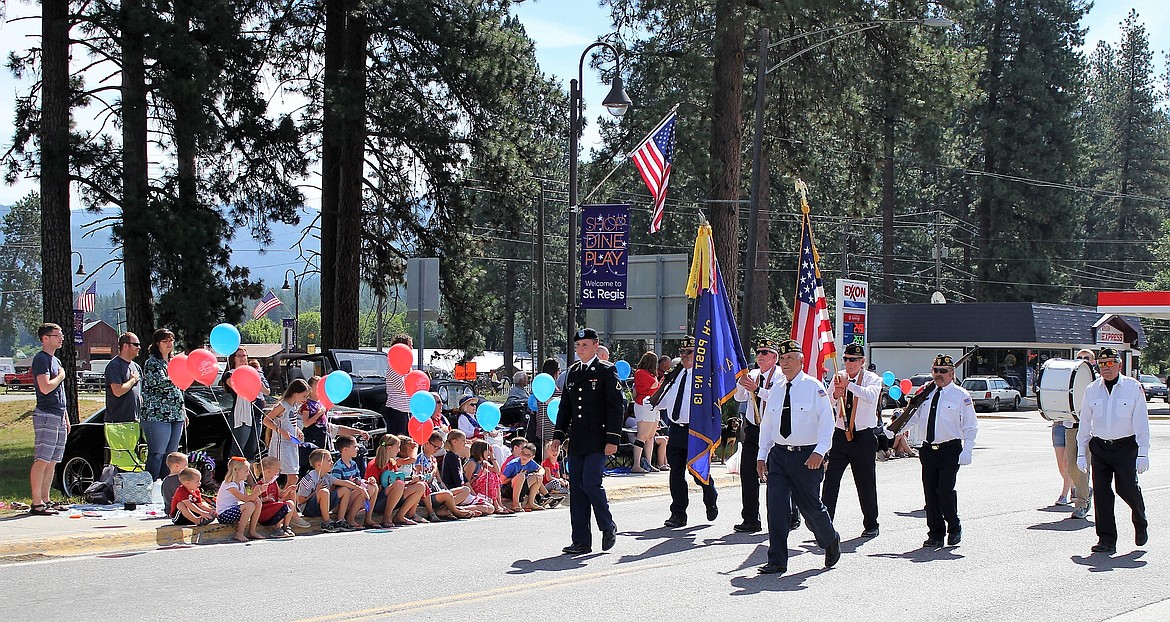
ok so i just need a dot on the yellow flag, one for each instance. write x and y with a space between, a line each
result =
702 264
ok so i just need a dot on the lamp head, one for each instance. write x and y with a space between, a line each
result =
80 269
285 287
617 102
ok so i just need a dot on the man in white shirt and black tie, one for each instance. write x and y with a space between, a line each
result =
795 434
1115 429
947 421
855 394
676 402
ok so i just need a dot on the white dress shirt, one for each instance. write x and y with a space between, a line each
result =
954 420
1111 415
753 414
812 415
866 388
682 383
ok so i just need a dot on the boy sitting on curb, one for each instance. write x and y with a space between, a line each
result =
524 475
354 492
188 506
316 495
176 462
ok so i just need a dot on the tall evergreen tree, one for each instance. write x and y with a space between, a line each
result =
20 271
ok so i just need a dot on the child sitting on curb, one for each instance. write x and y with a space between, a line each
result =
524 476
392 501
483 473
556 485
188 506
354 492
415 488
275 510
176 462
316 495
234 505
439 496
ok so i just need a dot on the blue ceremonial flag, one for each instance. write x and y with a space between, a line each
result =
719 359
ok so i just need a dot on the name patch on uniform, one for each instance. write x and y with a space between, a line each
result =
821 392
967 401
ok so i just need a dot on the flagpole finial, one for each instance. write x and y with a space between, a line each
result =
802 190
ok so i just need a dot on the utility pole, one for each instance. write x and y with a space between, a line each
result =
937 251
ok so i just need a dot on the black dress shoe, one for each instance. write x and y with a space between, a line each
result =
795 523
870 533
748 527
773 569
608 539
833 553
932 543
712 512
1101 547
577 549
955 538
1141 537
676 520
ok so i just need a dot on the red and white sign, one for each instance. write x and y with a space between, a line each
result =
852 311
1106 334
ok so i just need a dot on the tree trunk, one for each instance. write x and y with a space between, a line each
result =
347 278
135 175
331 145
726 134
56 246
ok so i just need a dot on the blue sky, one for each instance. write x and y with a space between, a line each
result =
562 29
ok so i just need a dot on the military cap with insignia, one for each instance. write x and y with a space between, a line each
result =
1108 353
687 342
585 333
854 349
788 346
766 345
944 360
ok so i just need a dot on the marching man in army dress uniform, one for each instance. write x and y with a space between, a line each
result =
591 421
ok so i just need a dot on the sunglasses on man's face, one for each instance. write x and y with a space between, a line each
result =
1107 363
942 370
853 359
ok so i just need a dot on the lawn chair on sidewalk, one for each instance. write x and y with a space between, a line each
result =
132 484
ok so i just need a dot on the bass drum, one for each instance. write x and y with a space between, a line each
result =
1062 387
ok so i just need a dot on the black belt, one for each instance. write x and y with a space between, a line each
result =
796 447
938 446
842 431
1112 441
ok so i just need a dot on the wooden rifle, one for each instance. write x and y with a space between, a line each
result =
667 380
916 400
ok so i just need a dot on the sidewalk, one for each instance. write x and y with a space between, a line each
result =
25 537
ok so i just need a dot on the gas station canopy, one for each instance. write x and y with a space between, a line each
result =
1144 304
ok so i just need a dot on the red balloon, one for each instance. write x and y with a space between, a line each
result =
400 358
324 399
906 386
201 364
416 381
246 382
420 432
178 373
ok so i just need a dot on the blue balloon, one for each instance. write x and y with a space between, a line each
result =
543 387
532 403
896 393
422 405
338 386
225 339
554 407
888 378
488 415
623 370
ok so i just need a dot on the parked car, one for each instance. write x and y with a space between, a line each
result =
367 368
208 412
22 380
991 393
1153 387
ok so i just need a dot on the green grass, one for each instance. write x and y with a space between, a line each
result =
16 446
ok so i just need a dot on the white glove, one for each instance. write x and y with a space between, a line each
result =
1083 464
1143 464
965 458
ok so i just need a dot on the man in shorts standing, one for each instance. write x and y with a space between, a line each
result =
50 424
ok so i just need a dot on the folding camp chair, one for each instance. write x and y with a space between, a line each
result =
127 451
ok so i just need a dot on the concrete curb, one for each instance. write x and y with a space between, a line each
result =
168 535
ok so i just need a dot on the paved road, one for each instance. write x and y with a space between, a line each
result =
1021 559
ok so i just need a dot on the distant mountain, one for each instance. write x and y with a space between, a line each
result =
268 264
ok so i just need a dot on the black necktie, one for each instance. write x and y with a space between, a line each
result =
786 413
933 416
678 399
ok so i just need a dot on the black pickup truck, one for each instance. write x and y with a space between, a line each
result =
367 368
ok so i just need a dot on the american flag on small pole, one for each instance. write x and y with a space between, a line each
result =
653 160
266 304
811 327
87 299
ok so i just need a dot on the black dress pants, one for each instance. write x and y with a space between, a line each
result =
1115 464
940 471
676 457
860 453
749 477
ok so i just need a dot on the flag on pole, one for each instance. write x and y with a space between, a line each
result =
653 160
811 327
719 359
88 298
266 304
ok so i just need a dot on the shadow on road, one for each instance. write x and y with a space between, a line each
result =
923 555
746 586
1067 524
1100 562
1065 509
919 513
550 564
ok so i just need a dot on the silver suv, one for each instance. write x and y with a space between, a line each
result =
992 393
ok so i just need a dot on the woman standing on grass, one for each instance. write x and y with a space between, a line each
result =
163 416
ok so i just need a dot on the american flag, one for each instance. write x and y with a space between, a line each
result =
266 304
653 160
86 300
811 327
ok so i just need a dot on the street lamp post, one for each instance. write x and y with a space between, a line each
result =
296 302
762 71
80 264
616 102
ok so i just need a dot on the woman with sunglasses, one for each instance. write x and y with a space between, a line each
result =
163 416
